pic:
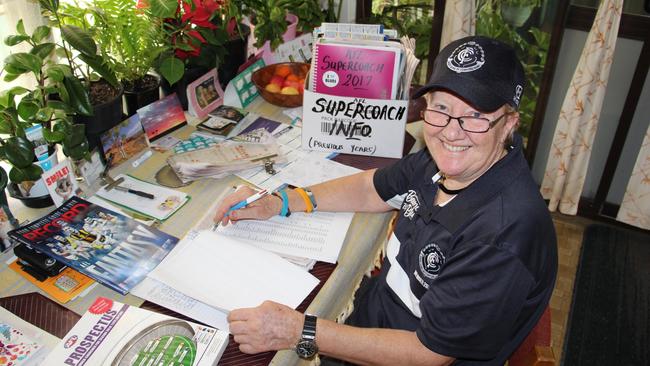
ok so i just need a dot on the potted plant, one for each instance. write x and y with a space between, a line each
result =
131 45
50 104
196 34
90 67
277 21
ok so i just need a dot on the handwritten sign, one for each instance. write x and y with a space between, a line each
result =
357 126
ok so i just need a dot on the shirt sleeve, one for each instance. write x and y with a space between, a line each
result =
471 308
395 179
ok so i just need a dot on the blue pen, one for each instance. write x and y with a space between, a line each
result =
248 201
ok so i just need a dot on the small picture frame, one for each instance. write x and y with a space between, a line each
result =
123 141
162 117
204 94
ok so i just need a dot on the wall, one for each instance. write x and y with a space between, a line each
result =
625 59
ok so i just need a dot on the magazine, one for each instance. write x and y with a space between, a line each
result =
109 247
112 333
222 121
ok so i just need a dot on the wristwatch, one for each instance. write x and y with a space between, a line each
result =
306 347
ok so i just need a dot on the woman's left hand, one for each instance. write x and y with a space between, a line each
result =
268 327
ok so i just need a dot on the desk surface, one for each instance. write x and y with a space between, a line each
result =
365 238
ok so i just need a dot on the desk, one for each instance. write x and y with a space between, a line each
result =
364 241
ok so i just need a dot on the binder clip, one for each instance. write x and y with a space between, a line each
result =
268 162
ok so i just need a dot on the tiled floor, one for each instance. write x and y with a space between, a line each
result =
569 233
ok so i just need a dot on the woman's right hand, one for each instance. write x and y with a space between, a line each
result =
262 209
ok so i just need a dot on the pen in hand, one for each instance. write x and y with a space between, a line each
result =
247 201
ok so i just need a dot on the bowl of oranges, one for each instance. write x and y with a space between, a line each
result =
282 84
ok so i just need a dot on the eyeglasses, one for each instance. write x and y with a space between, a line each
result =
469 124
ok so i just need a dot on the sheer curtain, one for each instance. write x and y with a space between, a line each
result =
635 208
10 12
566 168
460 20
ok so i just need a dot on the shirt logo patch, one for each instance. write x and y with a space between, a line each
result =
467 57
411 204
431 260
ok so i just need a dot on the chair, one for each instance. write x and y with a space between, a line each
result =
536 349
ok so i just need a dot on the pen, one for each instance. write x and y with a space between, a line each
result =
248 201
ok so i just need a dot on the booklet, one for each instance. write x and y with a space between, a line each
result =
22 343
112 333
63 287
165 200
109 247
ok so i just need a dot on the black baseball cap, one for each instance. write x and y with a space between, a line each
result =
483 71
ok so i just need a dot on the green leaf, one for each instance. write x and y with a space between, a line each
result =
102 68
79 39
40 33
18 90
76 135
55 74
51 5
58 105
11 77
53 136
24 61
44 114
6 126
163 8
27 109
4 178
79 98
76 151
172 69
15 39
20 28
5 97
43 50
19 151
31 172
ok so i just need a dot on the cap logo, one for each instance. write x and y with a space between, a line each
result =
467 57
518 90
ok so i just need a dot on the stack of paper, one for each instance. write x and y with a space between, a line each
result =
227 274
225 158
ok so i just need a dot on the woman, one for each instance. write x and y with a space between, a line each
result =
472 261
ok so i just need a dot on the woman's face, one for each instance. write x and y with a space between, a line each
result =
464 156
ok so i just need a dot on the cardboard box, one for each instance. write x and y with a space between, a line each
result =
359 126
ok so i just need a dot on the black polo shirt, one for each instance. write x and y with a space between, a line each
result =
473 277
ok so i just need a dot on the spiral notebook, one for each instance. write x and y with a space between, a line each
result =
361 70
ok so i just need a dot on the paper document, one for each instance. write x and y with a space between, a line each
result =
166 201
227 274
318 235
163 295
22 343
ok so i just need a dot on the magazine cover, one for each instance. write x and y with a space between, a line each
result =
112 333
61 182
123 141
109 247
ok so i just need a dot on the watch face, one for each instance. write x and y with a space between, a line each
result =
306 349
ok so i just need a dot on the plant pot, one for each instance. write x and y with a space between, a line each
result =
288 35
136 97
235 56
516 15
106 116
31 201
180 87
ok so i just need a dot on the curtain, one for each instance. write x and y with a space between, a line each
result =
459 22
635 208
574 134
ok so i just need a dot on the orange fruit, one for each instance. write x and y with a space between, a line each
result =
292 77
282 70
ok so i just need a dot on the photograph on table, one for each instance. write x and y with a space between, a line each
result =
162 117
204 94
222 121
123 141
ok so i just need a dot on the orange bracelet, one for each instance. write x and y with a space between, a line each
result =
305 197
